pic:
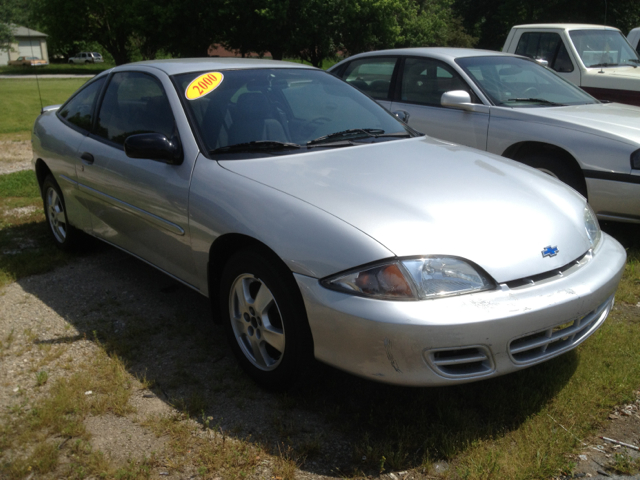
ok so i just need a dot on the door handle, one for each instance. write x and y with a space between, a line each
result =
87 158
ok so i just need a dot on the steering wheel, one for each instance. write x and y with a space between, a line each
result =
320 120
531 92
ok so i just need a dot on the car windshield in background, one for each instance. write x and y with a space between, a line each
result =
603 48
258 112
518 82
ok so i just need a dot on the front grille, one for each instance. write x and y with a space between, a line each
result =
551 274
555 340
460 362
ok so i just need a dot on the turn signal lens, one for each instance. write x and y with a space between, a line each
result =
413 279
384 281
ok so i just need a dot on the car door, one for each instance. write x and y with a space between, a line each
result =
373 76
422 82
139 205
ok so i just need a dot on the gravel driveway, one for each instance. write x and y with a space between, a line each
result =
179 366
15 156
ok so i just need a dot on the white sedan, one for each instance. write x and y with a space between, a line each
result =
514 107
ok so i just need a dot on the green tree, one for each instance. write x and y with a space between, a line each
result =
491 20
12 13
106 22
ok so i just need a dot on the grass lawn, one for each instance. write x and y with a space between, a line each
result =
518 426
25 246
20 102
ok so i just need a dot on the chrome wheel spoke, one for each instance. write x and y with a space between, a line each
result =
239 325
274 337
59 214
263 300
260 356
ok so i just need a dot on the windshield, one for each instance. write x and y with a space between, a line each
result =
603 48
520 82
258 112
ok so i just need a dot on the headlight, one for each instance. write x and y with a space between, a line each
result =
592 227
412 279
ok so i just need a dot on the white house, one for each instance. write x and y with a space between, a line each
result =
28 43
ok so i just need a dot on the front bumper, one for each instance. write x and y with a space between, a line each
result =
464 338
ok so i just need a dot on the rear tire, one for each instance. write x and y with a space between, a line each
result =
265 320
559 168
64 235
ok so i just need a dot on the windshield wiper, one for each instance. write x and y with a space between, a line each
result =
537 100
258 145
604 65
351 133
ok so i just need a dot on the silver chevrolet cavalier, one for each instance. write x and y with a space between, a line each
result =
514 107
322 227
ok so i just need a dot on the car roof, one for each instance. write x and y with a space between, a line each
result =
567 26
442 53
186 65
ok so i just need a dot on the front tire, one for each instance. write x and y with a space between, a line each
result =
265 320
63 234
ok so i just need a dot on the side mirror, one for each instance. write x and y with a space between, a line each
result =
154 146
542 62
401 115
457 99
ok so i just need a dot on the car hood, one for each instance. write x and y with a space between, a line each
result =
620 78
422 196
610 120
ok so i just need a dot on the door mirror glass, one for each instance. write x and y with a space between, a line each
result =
153 146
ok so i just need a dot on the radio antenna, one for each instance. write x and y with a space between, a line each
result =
36 71
605 12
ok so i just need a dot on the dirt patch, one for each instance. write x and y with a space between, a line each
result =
122 439
188 379
163 331
15 156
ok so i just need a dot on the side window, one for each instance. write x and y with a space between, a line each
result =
545 46
134 102
78 110
424 80
371 75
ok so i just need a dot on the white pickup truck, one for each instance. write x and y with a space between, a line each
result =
598 59
634 38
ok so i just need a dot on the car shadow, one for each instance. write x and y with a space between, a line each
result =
334 422
628 234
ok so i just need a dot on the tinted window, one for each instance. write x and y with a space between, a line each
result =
424 80
79 109
134 103
545 46
518 82
371 75
281 105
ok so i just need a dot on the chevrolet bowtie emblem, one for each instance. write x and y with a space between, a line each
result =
550 251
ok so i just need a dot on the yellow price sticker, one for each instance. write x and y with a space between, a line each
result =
203 85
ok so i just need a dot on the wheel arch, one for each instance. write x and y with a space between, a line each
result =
42 171
221 250
519 151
